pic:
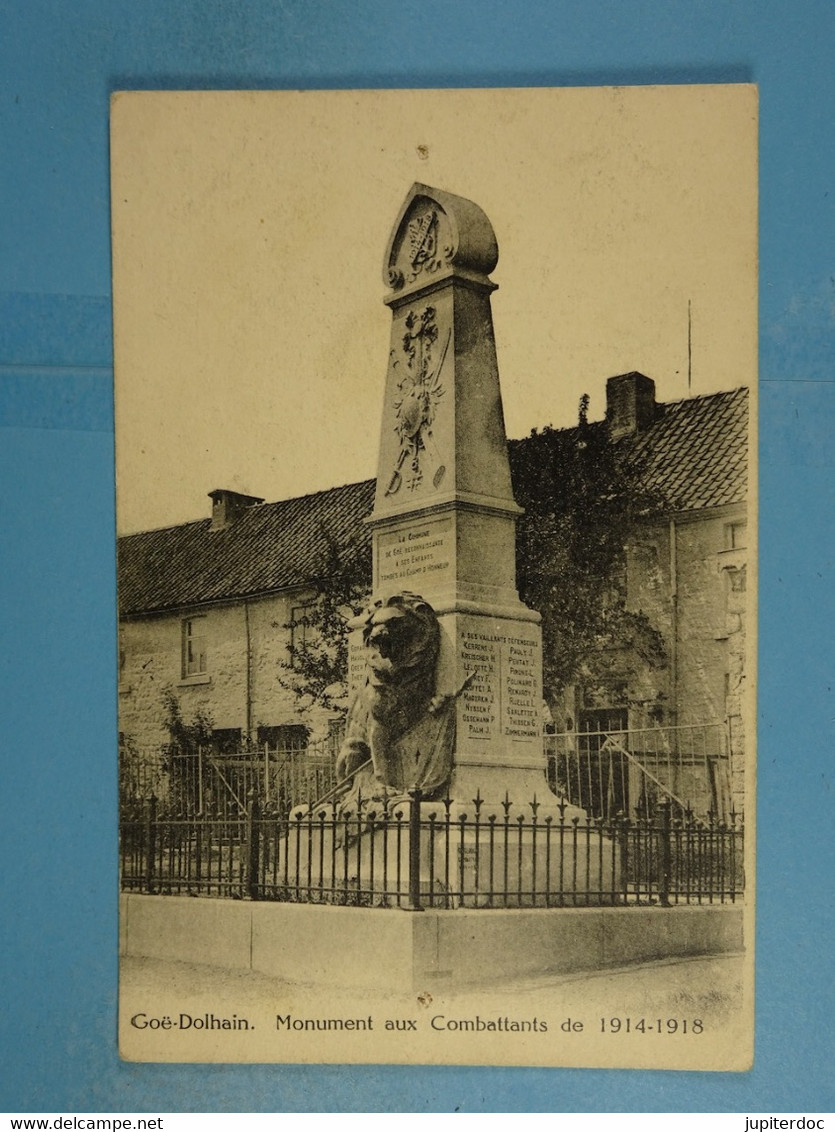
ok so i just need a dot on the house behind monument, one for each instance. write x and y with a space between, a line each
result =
210 613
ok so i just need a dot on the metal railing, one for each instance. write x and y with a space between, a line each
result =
212 784
602 772
414 854
628 771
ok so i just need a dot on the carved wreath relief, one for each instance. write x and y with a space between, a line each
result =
421 249
419 392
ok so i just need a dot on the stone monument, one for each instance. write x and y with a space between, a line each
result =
444 518
446 661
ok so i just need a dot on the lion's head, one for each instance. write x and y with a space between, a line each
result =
402 636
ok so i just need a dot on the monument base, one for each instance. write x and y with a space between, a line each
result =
496 785
448 854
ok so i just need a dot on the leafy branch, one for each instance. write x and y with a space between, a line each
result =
317 669
583 500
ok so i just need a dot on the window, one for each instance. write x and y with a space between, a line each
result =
595 725
283 737
735 535
227 740
300 625
194 647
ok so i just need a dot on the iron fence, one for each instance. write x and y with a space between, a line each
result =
630 770
215 785
605 773
409 853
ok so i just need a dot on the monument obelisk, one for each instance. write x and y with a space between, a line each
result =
444 518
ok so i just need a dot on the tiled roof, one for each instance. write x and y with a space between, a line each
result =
694 455
269 547
695 452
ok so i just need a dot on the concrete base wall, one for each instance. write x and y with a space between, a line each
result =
485 946
309 944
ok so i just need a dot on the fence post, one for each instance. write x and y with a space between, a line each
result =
414 850
624 863
150 861
253 814
665 848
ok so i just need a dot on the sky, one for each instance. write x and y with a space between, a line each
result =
249 232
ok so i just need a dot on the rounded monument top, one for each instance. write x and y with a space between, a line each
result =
438 234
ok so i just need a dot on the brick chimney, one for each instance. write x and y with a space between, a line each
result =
630 404
227 506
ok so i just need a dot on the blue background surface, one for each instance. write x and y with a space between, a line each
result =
59 63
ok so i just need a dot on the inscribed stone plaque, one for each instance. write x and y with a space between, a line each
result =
409 558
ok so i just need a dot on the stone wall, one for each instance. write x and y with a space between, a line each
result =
151 660
703 676
702 620
704 628
318 944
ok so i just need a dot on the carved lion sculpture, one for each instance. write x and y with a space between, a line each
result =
397 721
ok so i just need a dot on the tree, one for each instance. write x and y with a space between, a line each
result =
317 671
185 738
583 498
184 792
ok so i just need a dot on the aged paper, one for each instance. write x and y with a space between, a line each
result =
252 345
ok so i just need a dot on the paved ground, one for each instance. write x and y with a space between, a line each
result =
695 986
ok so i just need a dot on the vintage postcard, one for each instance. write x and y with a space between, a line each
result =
435 422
